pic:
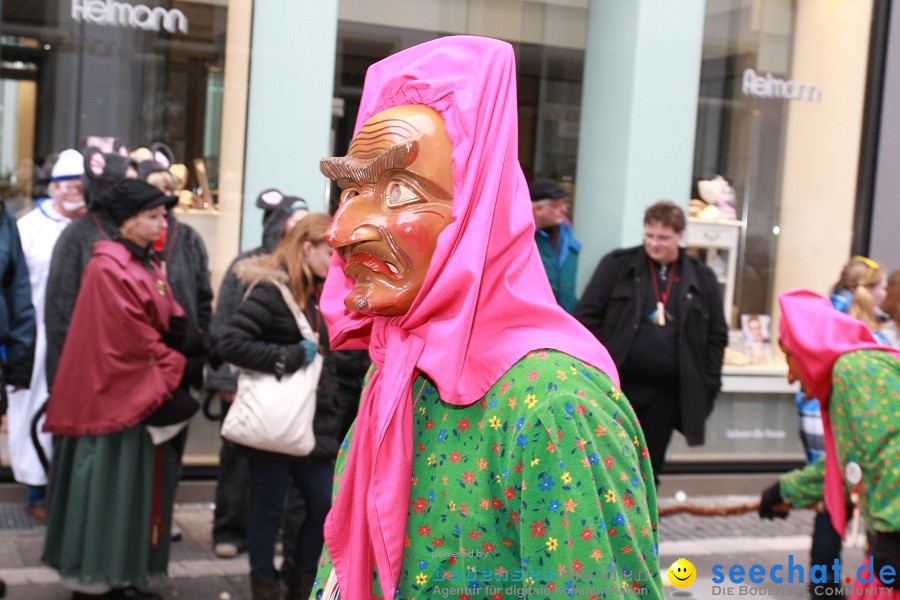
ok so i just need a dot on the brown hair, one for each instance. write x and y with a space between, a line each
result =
666 212
859 276
289 255
891 303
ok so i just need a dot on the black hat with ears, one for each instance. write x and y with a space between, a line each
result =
163 159
102 170
277 208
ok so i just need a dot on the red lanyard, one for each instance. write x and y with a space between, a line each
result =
664 298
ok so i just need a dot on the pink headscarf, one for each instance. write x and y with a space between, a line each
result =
485 303
817 335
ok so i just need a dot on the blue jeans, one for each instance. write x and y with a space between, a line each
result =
36 495
268 486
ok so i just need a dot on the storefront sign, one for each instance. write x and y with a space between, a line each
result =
757 433
767 86
122 14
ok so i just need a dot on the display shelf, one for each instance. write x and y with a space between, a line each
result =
716 244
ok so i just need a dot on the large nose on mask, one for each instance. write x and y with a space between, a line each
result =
353 222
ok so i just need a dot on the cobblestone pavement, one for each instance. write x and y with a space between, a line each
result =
196 574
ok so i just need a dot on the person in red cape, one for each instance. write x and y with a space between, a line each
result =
493 447
112 406
837 359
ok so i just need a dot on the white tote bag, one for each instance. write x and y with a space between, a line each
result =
272 414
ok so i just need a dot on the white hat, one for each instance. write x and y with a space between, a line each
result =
69 165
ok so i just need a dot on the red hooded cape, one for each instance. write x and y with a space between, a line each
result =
115 369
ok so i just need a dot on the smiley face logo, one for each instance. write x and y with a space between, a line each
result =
682 573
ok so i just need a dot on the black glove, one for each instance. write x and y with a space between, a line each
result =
178 329
193 374
885 550
769 500
194 343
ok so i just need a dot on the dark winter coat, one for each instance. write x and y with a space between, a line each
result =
71 254
612 308
220 376
263 332
17 327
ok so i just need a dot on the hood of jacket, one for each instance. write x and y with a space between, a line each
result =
255 268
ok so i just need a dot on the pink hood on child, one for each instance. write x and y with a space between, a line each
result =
485 303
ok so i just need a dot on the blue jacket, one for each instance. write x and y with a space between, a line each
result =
17 326
561 264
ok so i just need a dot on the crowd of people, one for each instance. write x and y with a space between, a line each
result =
109 338
499 408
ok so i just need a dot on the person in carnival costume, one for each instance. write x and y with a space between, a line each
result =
30 450
118 411
493 448
837 359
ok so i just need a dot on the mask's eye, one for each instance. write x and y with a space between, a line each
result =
349 194
398 195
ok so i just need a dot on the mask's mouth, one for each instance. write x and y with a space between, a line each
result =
374 264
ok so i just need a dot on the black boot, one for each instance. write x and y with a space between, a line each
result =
262 588
299 584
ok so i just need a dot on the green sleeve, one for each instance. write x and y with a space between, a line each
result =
804 487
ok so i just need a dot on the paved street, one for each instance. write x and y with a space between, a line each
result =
195 573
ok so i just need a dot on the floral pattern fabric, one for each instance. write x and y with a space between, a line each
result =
542 488
865 417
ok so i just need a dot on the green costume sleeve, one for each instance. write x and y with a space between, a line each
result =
804 487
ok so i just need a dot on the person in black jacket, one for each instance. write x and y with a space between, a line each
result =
659 313
229 532
262 336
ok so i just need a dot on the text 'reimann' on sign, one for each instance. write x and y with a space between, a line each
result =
122 14
768 86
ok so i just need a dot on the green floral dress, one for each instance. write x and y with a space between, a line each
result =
542 488
865 418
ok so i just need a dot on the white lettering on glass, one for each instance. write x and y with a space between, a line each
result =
767 86
122 14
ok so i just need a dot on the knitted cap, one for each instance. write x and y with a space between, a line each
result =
128 197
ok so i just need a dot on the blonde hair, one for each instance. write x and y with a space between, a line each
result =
860 276
289 255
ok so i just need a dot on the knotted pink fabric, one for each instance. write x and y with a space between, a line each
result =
817 335
485 303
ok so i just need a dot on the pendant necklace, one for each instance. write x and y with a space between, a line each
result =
659 315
